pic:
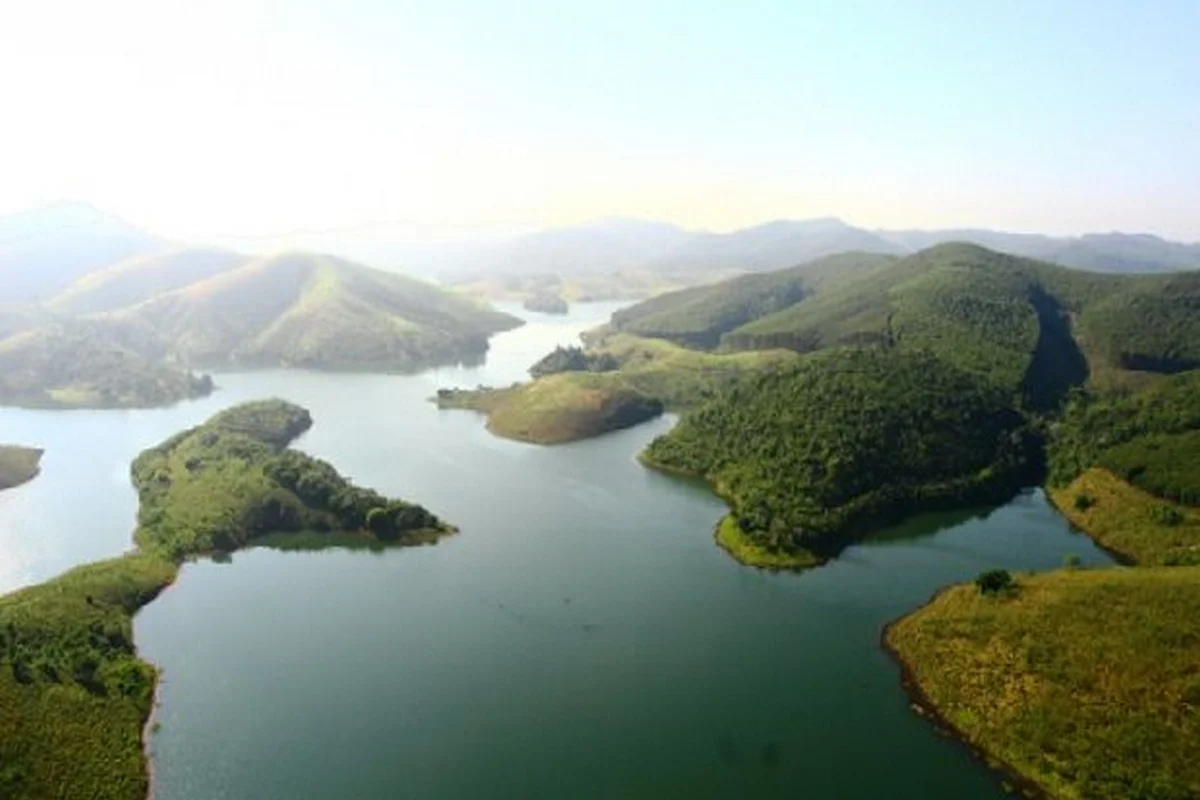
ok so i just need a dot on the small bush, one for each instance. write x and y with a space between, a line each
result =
1084 501
1072 561
1166 515
994 581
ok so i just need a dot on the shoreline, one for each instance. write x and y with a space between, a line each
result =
1012 781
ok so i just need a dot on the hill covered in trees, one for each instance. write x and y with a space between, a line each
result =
841 440
74 693
1025 325
78 363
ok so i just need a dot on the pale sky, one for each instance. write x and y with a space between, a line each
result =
257 117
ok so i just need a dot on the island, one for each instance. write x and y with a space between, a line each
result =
546 303
18 465
75 695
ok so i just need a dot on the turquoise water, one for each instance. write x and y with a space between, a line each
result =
581 637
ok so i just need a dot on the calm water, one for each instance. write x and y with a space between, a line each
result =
582 637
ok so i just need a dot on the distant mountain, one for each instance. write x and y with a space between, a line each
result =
135 279
601 246
622 254
1100 252
775 245
43 250
315 311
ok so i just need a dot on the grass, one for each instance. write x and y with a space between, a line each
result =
679 377
730 537
557 408
1125 519
74 697
18 465
1083 681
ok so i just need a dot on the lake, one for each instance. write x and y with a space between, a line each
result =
581 637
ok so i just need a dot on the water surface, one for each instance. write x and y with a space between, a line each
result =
582 637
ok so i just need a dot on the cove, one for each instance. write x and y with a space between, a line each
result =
582 637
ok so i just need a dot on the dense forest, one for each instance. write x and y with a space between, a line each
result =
808 453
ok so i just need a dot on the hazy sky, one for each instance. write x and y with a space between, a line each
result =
251 117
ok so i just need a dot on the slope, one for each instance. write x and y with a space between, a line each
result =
69 363
700 316
43 250
137 279
316 311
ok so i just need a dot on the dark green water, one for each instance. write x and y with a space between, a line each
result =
582 637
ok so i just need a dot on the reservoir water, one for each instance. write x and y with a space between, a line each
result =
581 637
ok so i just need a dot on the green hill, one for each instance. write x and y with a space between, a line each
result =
89 364
75 696
700 316
18 465
306 310
136 279
842 440
1025 325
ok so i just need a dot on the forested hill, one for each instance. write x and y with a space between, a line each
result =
1019 323
805 455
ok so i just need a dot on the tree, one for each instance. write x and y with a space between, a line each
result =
995 581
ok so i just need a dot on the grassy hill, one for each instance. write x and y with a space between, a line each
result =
314 311
700 316
1082 681
133 280
89 364
808 454
18 465
74 697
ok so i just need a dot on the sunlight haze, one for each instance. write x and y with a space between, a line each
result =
256 118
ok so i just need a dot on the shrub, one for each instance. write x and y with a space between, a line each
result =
1084 501
1072 561
994 581
1166 515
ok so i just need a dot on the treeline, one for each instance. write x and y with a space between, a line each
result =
574 359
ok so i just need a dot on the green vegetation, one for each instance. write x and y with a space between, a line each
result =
700 316
1129 521
1148 437
1027 326
995 581
123 336
1083 681
88 364
679 377
18 465
546 303
574 359
74 697
557 408
304 310
848 438
747 549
